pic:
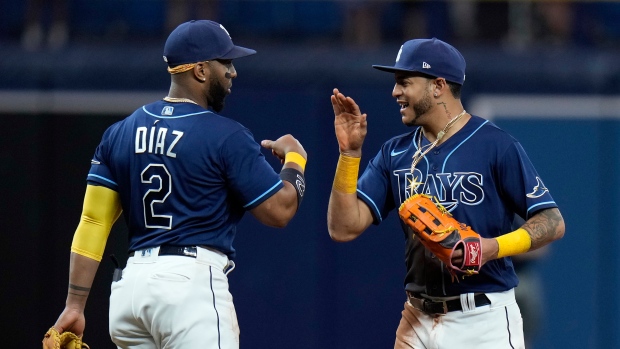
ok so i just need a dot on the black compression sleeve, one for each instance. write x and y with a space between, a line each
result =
296 178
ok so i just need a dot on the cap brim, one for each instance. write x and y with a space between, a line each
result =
391 69
238 52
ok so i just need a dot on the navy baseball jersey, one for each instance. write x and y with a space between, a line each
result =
196 201
481 175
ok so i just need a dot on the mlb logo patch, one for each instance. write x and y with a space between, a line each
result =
168 110
146 253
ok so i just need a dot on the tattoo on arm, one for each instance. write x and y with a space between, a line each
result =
79 288
544 227
78 294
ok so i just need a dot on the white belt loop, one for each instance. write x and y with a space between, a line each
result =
230 266
468 302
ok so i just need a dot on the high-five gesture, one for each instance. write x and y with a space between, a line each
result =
350 124
347 216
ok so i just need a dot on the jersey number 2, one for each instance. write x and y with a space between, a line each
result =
156 174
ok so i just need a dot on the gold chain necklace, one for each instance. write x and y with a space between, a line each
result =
420 152
178 100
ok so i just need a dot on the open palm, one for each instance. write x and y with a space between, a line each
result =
349 123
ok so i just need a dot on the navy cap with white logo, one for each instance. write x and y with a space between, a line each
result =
201 40
429 56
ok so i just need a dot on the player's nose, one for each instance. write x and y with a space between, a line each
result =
232 71
396 91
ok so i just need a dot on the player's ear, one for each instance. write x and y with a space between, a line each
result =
439 86
201 71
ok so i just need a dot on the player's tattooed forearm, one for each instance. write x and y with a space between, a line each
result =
544 227
79 288
79 294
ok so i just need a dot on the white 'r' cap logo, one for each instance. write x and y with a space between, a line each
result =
399 52
224 29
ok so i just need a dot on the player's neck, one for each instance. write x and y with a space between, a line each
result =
445 124
180 92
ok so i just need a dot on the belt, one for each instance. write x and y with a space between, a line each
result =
167 250
186 251
442 307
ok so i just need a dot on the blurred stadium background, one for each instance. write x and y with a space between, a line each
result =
546 71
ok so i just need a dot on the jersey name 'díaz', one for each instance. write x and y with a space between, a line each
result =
156 140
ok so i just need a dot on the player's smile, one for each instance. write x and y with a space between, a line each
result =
403 105
405 111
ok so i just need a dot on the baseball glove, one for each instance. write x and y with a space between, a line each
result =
66 340
442 234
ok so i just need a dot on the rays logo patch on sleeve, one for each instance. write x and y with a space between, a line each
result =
539 189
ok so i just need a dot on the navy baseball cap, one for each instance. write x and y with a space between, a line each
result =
201 40
429 56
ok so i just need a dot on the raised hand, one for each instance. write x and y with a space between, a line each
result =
350 124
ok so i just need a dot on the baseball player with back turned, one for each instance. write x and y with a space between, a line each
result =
478 172
182 176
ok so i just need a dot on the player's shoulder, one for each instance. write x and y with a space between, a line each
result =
114 129
402 140
192 114
484 128
397 145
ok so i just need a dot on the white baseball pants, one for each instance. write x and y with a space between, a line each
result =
495 326
169 302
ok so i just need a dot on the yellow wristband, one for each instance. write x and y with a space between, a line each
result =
346 174
292 156
516 242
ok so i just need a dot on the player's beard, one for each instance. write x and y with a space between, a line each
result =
420 108
217 95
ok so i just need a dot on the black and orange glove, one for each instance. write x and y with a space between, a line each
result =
442 234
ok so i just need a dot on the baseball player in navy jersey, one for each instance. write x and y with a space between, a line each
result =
478 172
182 176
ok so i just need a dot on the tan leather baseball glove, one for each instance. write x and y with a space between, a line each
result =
66 340
442 234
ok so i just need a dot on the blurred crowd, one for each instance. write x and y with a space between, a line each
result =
54 24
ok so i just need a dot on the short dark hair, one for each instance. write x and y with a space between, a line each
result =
455 89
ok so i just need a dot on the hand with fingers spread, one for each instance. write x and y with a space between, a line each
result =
350 124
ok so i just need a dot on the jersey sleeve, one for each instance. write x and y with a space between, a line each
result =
373 187
100 172
250 177
521 184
